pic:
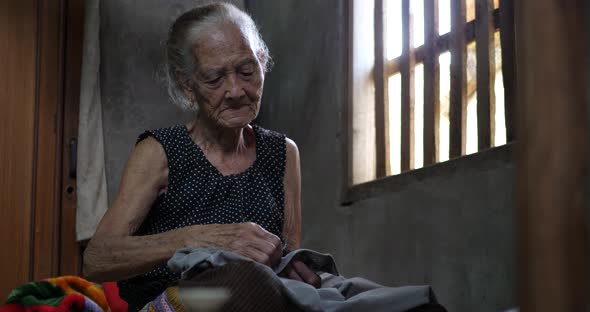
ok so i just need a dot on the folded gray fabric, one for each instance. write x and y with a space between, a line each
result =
336 294
193 260
319 262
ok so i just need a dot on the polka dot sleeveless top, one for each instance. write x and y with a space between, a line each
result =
199 194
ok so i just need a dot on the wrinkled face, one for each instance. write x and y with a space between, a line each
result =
228 79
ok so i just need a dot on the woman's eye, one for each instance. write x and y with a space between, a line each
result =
213 81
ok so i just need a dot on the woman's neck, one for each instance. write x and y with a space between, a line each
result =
211 136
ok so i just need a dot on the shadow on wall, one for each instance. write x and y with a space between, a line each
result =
132 52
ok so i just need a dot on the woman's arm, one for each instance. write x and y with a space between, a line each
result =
292 186
114 254
292 225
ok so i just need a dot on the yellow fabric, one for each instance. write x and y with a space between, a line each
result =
75 284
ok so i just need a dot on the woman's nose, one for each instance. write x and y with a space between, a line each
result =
233 87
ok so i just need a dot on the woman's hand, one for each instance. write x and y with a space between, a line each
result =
249 240
299 271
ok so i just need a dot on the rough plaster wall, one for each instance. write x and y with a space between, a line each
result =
133 34
452 229
302 99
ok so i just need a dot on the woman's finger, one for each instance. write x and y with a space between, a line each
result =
306 274
268 249
257 256
274 240
292 274
268 243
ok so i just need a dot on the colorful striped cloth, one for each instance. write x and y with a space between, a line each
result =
167 301
65 293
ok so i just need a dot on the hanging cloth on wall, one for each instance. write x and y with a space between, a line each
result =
92 200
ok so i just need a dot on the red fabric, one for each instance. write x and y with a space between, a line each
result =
77 285
111 291
72 302
13 307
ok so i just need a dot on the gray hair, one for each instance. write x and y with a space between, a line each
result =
181 62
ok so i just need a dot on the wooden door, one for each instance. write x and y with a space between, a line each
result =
553 150
39 90
18 84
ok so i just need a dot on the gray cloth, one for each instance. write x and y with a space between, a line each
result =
336 293
318 262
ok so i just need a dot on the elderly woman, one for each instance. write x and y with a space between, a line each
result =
218 181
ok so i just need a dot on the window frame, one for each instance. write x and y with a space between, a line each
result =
500 19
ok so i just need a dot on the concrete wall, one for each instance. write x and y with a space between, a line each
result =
133 35
450 225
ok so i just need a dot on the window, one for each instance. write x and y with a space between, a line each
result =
426 83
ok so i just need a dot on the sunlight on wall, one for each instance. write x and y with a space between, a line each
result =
471 117
444 61
393 28
500 129
444 16
419 116
395 121
417 12
470 10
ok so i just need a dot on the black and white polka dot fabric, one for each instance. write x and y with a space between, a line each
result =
199 194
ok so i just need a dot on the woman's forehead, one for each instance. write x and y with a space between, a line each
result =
222 45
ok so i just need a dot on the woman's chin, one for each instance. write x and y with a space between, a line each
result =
236 122
236 118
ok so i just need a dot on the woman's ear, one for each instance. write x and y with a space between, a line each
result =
186 86
264 61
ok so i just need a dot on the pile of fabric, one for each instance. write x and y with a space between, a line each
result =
65 293
257 287
252 287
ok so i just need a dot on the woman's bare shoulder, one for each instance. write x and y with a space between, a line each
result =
149 156
292 168
292 149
